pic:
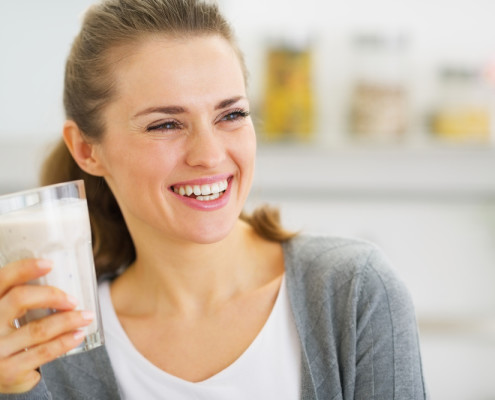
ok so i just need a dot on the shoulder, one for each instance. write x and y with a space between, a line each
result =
355 319
336 258
349 272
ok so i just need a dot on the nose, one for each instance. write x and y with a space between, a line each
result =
206 148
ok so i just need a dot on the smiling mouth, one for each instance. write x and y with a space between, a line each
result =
204 192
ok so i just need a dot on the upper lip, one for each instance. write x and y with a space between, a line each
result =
203 181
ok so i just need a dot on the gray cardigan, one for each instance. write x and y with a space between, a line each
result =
354 317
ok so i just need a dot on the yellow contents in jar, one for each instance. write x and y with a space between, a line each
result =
288 98
466 125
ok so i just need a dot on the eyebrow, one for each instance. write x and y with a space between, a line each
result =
179 109
228 102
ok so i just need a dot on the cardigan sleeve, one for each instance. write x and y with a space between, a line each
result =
82 376
355 320
387 353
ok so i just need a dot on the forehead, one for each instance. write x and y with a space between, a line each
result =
192 66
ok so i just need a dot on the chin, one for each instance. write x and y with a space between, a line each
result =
210 234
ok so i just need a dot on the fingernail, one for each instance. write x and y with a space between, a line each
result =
72 300
78 335
44 264
88 315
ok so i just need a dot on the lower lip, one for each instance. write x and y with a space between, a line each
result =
206 205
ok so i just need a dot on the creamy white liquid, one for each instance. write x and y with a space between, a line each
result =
58 231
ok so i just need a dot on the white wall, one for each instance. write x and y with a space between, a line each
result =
35 38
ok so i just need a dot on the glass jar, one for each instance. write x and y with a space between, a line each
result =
463 109
288 98
378 106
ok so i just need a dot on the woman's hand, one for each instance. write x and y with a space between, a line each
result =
45 339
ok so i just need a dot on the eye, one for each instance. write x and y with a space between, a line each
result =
235 115
165 126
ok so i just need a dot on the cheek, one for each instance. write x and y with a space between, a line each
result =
246 155
250 150
139 164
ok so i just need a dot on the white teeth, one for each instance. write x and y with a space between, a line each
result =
215 188
203 192
206 198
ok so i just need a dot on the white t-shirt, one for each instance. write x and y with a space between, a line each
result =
269 369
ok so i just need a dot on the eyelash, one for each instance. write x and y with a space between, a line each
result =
236 114
239 113
161 126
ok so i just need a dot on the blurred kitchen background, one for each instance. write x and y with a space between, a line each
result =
376 119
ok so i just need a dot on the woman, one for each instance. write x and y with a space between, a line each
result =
198 300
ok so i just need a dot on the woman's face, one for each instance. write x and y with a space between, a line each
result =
179 146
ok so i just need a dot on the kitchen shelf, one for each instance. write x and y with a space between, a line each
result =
440 173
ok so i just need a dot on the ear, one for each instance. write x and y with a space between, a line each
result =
84 153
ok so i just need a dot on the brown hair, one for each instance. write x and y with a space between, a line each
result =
89 86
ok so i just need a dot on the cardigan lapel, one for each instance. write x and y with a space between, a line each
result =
89 374
293 281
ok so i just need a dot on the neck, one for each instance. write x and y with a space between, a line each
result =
190 277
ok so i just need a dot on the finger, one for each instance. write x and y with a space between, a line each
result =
20 299
18 371
22 271
43 353
12 383
43 330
